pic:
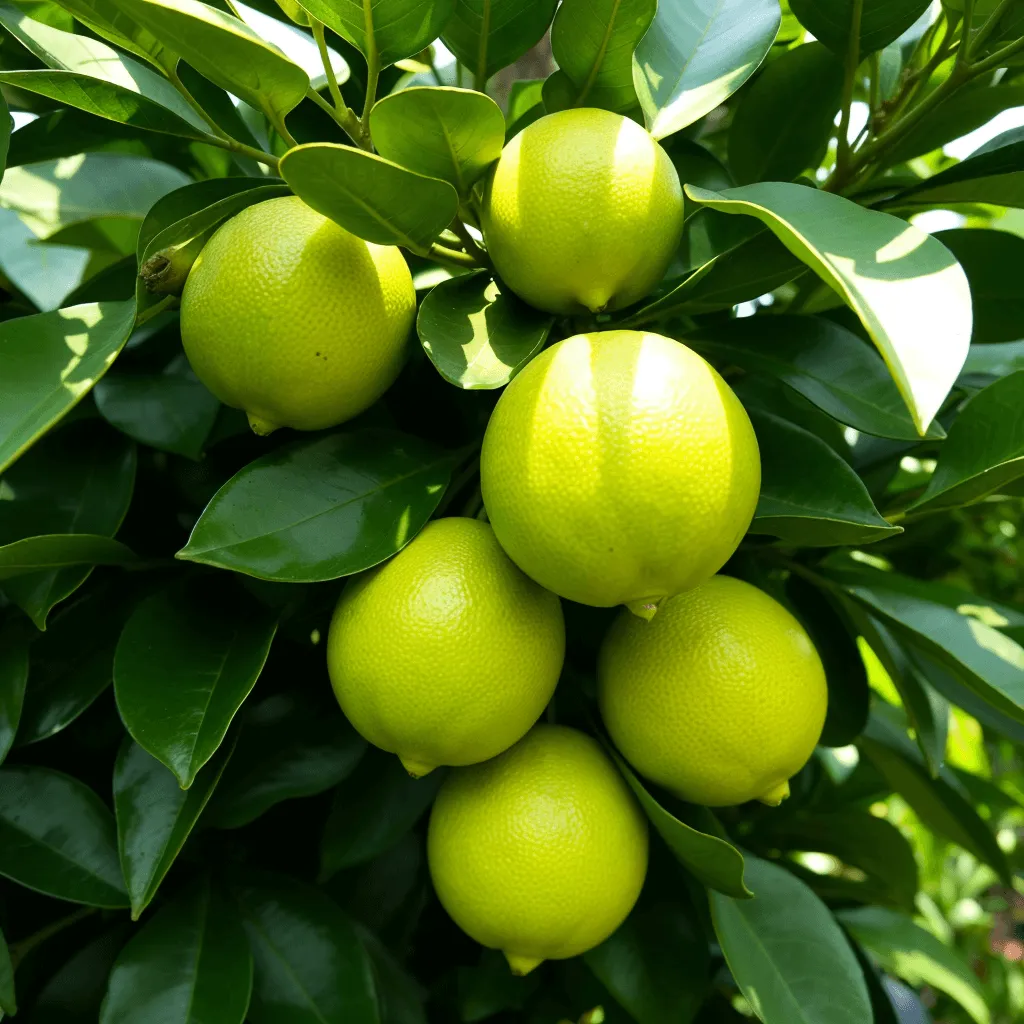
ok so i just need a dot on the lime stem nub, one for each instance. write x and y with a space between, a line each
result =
260 425
646 608
417 769
775 795
522 965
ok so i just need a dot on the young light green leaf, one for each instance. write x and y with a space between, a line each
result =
372 197
695 56
58 551
809 495
57 837
784 120
593 43
882 21
187 659
13 677
51 361
787 954
374 492
155 816
189 964
477 335
8 1002
907 289
488 35
452 134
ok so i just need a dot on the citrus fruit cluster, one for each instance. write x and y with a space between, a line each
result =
618 468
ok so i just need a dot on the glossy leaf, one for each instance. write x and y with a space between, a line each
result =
187 659
372 197
809 495
488 35
51 361
189 964
712 860
8 1002
107 20
695 56
5 135
13 677
57 837
372 810
787 954
906 287
821 360
882 21
311 967
784 120
60 551
592 42
452 134
322 508
477 335
289 747
155 816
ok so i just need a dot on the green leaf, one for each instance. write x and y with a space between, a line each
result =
477 335
79 480
399 995
592 42
372 810
488 35
5 135
995 360
882 21
108 21
155 816
372 197
819 359
451 134
187 659
310 963
374 490
787 954
288 748
8 1003
695 56
74 994
390 29
712 860
189 964
809 495
13 677
225 50
59 551
785 119
57 837
906 287
51 361
911 953
989 259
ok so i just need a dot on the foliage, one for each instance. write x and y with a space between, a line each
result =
189 829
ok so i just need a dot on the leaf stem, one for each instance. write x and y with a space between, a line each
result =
981 37
325 57
277 121
997 58
469 243
442 254
178 84
372 75
157 308
849 83
480 73
347 120
234 146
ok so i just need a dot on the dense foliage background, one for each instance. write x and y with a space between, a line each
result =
189 829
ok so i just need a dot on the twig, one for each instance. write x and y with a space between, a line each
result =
469 243
981 37
442 254
372 75
349 124
849 82
325 58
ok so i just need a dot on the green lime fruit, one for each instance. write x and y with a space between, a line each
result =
541 852
720 699
583 211
447 653
291 318
619 468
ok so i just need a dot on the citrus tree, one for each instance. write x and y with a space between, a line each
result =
718 320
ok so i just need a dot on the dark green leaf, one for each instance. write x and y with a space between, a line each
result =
5 135
809 495
593 42
13 677
60 551
399 995
311 967
488 35
452 134
187 659
882 21
189 964
322 508
74 994
477 335
289 747
155 816
908 290
490 988
372 197
995 360
372 810
695 56
58 837
784 121
50 362
8 1003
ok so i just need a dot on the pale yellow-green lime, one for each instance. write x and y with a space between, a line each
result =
583 211
447 653
619 468
541 852
720 699
291 318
